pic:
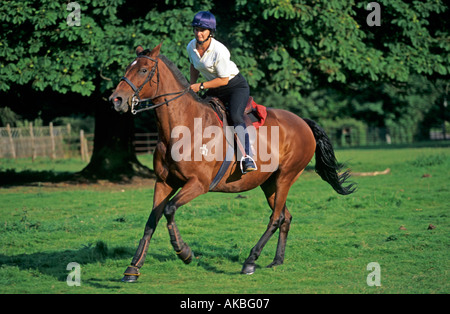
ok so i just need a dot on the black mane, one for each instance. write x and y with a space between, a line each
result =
176 72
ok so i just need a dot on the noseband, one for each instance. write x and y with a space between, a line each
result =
147 104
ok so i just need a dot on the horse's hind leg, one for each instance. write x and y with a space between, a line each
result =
269 191
282 238
183 250
276 196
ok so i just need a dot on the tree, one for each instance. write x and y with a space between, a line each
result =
319 59
305 47
53 48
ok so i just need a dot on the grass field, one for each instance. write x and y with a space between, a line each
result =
333 238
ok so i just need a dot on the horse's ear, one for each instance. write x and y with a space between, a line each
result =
156 50
139 49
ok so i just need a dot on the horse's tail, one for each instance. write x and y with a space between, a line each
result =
326 164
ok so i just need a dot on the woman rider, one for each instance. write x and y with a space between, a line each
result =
223 79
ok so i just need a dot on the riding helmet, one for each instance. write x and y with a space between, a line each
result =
204 19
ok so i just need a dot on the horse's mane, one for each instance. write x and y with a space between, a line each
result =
177 74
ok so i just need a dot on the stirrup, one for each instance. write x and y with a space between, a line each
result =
242 163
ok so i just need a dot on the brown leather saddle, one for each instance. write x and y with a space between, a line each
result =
251 114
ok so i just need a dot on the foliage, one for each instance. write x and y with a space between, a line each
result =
77 123
302 43
25 123
346 132
306 48
48 53
317 58
7 116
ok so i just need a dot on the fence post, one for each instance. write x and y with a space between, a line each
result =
66 140
52 138
82 144
11 142
33 147
86 149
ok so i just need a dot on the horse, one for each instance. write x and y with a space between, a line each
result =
152 77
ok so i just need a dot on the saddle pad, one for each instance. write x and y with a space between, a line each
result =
257 114
261 112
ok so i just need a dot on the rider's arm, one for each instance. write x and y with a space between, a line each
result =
217 82
194 73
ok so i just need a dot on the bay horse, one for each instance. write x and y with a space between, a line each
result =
180 181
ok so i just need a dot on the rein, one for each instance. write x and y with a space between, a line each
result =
135 101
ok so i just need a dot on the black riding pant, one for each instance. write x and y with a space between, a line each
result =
235 96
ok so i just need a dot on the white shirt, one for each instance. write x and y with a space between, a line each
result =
215 61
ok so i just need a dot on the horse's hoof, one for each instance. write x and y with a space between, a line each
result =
248 269
128 278
186 254
131 274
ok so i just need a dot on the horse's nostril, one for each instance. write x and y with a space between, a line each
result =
117 101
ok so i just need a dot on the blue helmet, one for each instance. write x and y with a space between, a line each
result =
204 19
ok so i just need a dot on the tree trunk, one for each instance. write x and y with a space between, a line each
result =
114 157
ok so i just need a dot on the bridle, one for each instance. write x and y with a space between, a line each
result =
147 104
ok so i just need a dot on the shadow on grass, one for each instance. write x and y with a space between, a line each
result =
55 263
11 178
209 258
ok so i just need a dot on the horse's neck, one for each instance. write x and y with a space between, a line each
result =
179 112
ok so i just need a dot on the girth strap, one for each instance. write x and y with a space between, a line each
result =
224 167
228 156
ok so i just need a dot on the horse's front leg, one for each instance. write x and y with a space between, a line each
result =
163 193
190 190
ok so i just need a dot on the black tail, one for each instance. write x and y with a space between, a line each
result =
326 164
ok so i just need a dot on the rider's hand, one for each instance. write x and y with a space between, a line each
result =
195 87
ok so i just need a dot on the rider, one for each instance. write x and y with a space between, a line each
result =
223 79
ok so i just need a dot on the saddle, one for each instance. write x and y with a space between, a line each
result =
253 114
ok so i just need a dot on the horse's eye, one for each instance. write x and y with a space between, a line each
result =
144 70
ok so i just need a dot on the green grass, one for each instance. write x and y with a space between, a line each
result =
332 237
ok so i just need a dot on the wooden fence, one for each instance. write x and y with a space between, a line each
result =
145 143
58 142
61 142
375 136
33 141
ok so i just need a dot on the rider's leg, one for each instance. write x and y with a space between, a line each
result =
242 132
236 95
237 102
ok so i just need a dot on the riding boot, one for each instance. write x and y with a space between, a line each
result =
247 162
